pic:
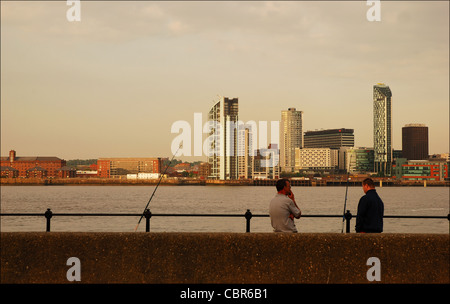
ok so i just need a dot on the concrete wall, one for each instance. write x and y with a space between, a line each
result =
41 257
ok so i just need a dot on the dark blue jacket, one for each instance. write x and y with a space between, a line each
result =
370 213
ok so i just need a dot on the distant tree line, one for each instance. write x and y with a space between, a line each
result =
177 161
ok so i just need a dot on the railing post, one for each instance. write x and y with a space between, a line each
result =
448 218
248 216
48 215
147 215
348 217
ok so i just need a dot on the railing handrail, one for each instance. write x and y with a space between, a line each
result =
248 216
209 215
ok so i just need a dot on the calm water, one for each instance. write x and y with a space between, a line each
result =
212 199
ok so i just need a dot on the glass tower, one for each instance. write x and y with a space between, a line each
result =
382 128
291 137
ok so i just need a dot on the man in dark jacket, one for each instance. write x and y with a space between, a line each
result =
370 210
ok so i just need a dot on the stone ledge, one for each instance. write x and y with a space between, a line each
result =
224 258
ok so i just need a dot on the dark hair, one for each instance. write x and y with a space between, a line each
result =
369 182
281 183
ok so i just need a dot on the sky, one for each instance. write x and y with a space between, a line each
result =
114 83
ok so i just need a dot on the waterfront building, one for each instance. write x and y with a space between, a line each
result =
37 172
223 139
382 128
32 166
331 138
204 170
9 172
316 159
396 154
357 160
117 167
441 156
415 142
245 155
182 167
432 170
266 163
67 172
87 173
291 137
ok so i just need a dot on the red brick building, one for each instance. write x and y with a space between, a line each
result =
32 166
66 172
37 172
9 172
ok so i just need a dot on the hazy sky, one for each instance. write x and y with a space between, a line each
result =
113 84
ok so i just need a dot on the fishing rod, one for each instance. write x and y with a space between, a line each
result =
162 175
346 191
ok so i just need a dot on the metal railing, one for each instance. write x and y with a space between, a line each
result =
247 215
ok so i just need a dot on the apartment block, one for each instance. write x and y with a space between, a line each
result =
316 158
382 128
330 138
291 137
116 167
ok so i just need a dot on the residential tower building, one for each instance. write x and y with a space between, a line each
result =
382 129
223 144
291 137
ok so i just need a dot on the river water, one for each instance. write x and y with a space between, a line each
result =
212 200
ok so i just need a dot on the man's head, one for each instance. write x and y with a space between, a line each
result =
368 184
283 185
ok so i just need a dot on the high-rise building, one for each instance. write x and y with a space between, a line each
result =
245 153
415 142
224 139
332 138
291 137
382 128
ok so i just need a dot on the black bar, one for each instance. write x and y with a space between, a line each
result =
248 217
48 216
147 215
348 217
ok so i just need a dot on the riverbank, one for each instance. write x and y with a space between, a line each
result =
202 182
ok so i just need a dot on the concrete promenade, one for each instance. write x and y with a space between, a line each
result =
230 258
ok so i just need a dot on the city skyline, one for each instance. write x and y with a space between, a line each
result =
112 84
